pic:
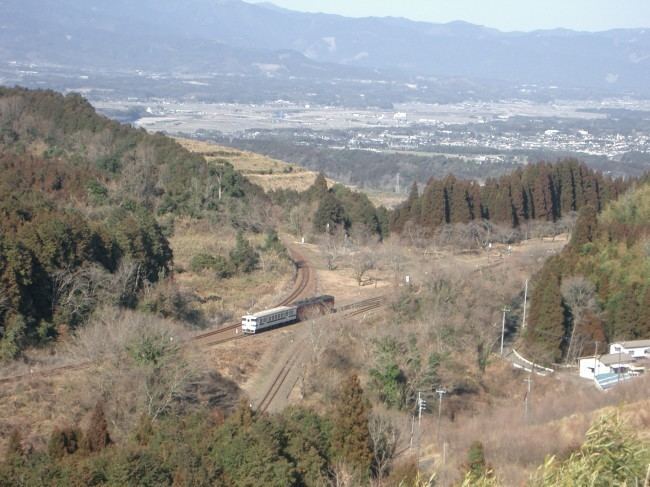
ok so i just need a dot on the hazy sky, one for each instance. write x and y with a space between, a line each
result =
503 14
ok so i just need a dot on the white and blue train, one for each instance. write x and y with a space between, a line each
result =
271 318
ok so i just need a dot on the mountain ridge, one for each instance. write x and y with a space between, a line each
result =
164 34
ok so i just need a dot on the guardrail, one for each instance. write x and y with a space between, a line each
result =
533 366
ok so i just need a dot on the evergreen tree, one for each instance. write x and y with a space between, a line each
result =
97 437
383 221
547 314
63 442
319 189
350 434
244 257
476 467
459 205
330 211
585 229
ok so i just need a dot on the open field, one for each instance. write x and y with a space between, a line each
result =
270 174
227 299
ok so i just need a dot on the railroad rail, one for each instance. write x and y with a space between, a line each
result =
209 338
278 381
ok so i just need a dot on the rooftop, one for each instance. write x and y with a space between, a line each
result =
634 344
616 358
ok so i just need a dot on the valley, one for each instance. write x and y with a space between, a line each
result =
244 245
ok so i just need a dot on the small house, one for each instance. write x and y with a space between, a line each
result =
637 349
610 369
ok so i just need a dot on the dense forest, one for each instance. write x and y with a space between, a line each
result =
598 288
334 208
86 207
348 445
542 191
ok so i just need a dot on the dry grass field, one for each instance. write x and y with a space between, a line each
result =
273 174
264 171
226 300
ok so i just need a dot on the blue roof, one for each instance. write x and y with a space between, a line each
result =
609 380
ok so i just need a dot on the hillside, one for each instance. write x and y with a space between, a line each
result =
89 208
270 174
127 259
606 263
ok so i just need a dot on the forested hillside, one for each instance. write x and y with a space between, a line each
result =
542 191
86 205
598 289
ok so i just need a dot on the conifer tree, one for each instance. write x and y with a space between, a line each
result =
330 211
350 434
547 314
319 189
476 467
243 256
64 441
585 229
97 437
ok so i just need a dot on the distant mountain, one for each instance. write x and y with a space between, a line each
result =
218 35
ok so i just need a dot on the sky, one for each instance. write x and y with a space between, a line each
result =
508 15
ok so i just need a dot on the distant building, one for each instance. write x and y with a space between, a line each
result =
610 369
635 349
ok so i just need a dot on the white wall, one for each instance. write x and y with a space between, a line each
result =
590 367
632 352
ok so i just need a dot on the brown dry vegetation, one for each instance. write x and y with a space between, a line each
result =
118 372
270 174
491 408
223 300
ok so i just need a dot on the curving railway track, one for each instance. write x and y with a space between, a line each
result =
213 337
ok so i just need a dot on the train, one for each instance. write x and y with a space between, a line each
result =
283 315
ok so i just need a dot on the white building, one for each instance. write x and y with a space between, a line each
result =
610 369
610 363
636 349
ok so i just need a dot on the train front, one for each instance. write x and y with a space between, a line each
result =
249 324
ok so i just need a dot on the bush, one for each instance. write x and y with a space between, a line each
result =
243 257
201 262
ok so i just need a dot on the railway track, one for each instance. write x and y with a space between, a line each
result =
46 373
304 277
278 381
209 338
349 310
360 307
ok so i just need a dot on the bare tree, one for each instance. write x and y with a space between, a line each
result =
297 220
341 475
384 437
579 293
363 263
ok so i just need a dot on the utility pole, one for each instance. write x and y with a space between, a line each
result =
596 359
530 381
503 326
422 404
523 321
440 393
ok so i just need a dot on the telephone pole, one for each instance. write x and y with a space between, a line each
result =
523 321
422 405
503 326
440 393
530 381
